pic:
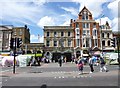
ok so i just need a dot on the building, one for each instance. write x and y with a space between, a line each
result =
86 31
23 33
106 38
5 36
32 48
59 39
85 36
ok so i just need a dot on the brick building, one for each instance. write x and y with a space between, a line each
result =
86 36
86 32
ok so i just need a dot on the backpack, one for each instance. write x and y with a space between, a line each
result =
102 61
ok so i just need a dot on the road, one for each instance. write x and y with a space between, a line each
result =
53 75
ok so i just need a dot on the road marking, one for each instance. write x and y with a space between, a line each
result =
62 77
59 77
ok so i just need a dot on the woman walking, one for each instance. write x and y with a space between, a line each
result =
80 65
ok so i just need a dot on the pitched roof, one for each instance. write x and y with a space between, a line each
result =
84 8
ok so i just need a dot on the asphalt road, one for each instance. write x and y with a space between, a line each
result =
53 75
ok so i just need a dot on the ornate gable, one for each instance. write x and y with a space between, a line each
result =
85 10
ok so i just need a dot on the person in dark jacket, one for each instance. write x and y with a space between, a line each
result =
91 64
60 62
103 65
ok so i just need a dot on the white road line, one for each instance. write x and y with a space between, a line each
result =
59 77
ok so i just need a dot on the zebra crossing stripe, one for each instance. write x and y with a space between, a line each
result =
63 77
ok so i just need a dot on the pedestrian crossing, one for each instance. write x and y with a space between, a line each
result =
73 77
62 71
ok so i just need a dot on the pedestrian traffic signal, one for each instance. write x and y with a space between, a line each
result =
19 42
113 42
11 43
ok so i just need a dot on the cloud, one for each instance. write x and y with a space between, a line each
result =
113 6
66 23
19 11
36 39
94 6
72 10
46 21
115 24
103 20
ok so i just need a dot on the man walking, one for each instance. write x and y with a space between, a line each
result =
60 62
103 65
91 64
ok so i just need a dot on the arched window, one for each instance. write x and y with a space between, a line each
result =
108 35
102 35
108 42
103 42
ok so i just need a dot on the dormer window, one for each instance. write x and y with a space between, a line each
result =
85 15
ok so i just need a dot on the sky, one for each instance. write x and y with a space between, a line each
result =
39 13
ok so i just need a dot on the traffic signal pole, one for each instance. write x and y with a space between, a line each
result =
118 43
14 56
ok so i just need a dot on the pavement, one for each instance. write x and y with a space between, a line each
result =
53 70
53 75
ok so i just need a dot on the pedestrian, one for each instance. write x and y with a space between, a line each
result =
80 65
91 62
32 61
72 59
60 62
65 60
103 65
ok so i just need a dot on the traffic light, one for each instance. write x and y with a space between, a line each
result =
113 42
19 42
11 43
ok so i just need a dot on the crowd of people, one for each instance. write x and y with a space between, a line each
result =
91 61
80 61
